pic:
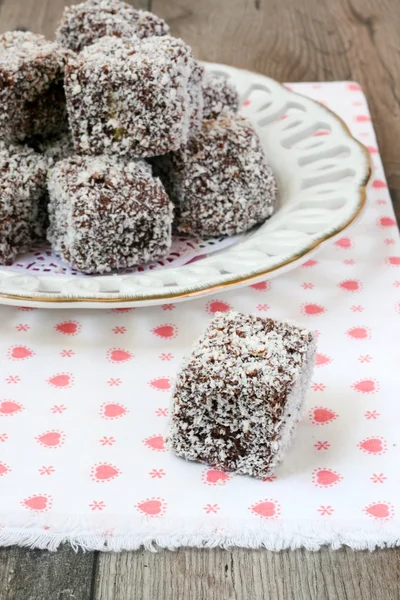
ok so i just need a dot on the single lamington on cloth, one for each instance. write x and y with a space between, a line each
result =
240 394
23 199
219 96
82 24
32 99
220 181
107 214
138 98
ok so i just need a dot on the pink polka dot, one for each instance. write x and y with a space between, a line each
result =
393 261
217 306
387 222
262 286
266 509
344 242
379 184
366 386
359 333
350 285
312 309
152 507
310 263
380 510
161 383
353 87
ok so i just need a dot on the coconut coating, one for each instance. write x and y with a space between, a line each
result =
82 24
196 98
239 395
107 214
219 96
138 98
56 147
22 200
32 99
220 181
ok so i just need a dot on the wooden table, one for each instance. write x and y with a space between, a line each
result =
290 40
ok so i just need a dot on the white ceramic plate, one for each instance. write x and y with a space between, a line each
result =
321 180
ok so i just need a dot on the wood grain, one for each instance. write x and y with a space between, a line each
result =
241 574
36 575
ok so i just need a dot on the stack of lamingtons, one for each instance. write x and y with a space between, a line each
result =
113 135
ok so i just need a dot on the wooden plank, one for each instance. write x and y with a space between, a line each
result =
240 574
143 4
306 40
40 17
40 575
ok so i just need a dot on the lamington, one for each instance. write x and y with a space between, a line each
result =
32 99
54 147
220 181
219 96
83 24
106 214
240 394
23 199
139 98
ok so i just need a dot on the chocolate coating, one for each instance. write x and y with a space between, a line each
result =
219 96
83 24
106 214
22 200
220 181
32 99
240 393
135 98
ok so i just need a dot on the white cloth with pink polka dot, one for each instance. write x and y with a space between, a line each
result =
84 399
